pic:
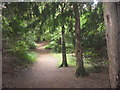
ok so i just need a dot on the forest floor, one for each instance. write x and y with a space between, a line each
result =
45 74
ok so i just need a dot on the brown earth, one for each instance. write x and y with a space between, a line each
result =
45 74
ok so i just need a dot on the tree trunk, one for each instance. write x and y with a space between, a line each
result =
64 58
112 24
80 67
63 49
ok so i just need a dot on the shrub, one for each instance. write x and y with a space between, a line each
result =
53 46
33 45
29 57
19 46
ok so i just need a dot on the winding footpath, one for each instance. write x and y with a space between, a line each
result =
45 74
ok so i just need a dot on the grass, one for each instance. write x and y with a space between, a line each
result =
71 60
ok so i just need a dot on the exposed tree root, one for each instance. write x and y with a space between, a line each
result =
80 72
63 65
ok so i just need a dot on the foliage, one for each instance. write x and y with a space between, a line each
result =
29 57
17 36
19 46
28 22
53 46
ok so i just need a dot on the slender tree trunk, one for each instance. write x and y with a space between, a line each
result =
112 23
64 58
80 67
63 49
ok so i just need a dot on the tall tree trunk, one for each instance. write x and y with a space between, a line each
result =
63 49
80 67
64 58
112 23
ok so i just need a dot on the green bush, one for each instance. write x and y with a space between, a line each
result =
33 45
19 46
53 46
49 46
29 57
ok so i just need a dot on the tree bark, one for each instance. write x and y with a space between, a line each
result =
112 24
64 58
63 49
80 66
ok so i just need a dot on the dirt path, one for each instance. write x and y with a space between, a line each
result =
45 74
